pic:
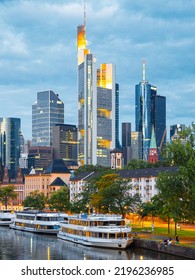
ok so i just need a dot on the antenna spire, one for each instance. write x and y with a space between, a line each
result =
84 14
143 70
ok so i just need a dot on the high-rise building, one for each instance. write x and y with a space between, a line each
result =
97 106
136 145
65 142
126 142
10 130
150 110
39 158
118 146
46 112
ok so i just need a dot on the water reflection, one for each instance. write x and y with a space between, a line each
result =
18 245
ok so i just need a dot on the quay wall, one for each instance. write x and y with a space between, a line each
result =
173 249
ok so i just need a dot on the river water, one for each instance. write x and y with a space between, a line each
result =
19 245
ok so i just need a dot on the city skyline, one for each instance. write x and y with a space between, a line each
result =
38 52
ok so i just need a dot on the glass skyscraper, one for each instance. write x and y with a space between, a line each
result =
47 111
150 110
97 106
10 131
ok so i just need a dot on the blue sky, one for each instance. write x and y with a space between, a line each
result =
38 52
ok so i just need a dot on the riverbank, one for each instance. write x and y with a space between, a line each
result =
182 250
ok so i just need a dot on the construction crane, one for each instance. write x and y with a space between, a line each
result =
162 140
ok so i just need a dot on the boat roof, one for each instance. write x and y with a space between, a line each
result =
41 213
96 217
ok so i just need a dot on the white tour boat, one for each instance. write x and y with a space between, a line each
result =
38 222
6 217
108 231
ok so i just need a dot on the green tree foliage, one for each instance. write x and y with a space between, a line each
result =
106 193
148 209
138 164
60 200
90 167
177 190
35 200
7 194
116 197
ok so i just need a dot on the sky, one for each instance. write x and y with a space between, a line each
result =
38 52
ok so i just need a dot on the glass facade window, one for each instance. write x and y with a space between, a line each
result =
46 112
10 134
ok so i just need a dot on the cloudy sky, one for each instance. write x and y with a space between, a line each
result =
38 52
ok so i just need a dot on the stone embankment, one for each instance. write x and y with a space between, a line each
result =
173 249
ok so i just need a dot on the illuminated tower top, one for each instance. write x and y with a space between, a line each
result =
81 39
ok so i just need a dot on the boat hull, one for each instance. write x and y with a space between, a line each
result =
96 242
34 230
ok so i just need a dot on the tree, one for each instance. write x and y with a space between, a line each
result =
172 194
35 200
7 194
148 209
60 200
177 190
138 164
116 197
106 193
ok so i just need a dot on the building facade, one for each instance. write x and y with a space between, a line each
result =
136 145
10 131
98 107
65 142
126 142
150 110
46 112
39 158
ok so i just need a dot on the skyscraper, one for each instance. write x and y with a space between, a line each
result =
46 112
65 142
150 110
136 145
97 106
126 142
10 130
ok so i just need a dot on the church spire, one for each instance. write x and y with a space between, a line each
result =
153 153
153 140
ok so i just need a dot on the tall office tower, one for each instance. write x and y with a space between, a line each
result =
150 110
158 119
65 142
46 112
96 110
118 146
106 113
175 130
136 145
10 130
126 142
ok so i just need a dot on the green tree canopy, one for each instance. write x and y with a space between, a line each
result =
177 190
35 200
106 193
60 200
7 194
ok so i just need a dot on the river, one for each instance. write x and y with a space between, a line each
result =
19 245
